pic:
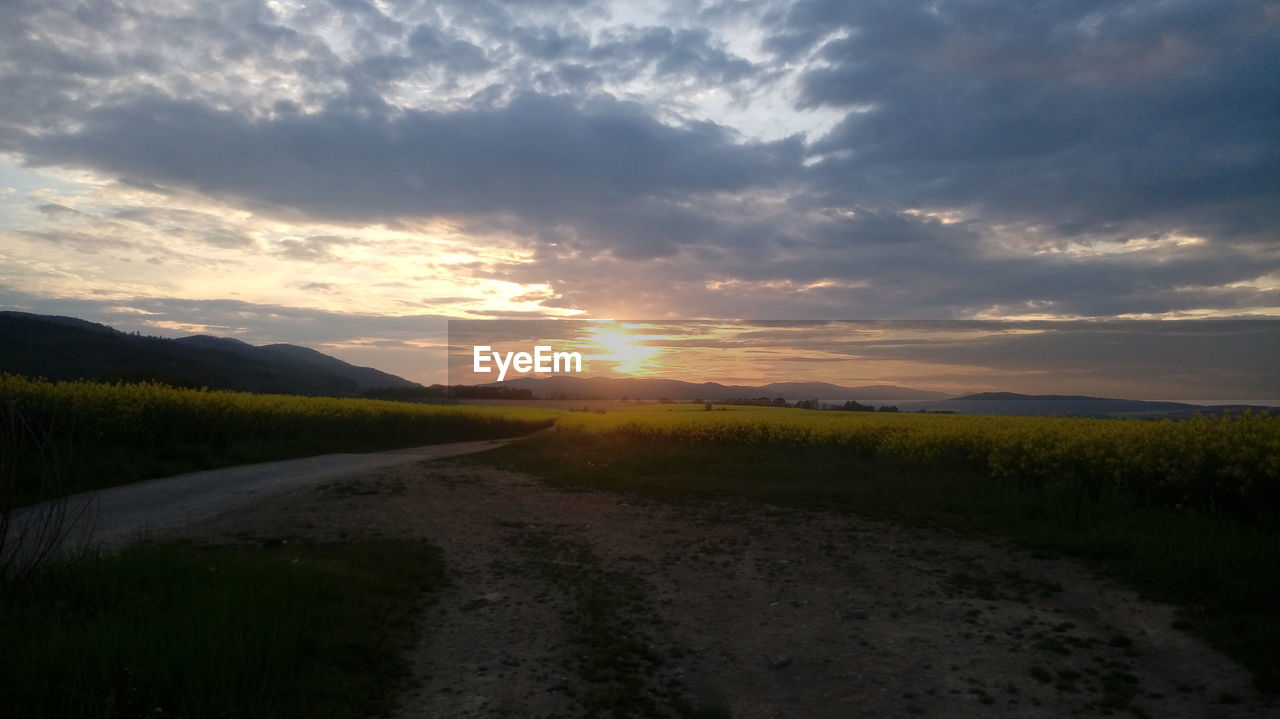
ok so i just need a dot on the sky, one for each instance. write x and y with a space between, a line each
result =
1136 359
346 175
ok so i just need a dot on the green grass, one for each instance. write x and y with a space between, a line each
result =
180 631
1223 572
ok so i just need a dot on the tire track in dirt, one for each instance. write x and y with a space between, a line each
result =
567 603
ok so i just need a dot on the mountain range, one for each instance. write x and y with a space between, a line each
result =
1081 406
635 388
66 348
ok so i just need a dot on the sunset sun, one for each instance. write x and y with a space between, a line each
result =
614 344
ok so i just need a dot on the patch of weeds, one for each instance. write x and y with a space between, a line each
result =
607 613
202 632
1119 687
1025 585
982 696
1119 641
455 479
1139 712
1054 644
360 488
1041 674
272 541
1008 586
708 710
981 587
1067 680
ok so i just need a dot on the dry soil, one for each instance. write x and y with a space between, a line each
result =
561 603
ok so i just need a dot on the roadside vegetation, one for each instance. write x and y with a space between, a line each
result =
109 434
1184 511
274 631
182 631
1223 464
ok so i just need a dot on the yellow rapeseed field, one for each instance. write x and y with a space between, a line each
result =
78 435
155 414
1229 463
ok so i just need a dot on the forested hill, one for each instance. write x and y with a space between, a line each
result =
66 348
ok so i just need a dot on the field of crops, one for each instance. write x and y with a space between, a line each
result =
101 434
1217 464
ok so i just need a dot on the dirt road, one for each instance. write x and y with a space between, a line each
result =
567 604
111 516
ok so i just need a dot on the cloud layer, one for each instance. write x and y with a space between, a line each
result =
809 159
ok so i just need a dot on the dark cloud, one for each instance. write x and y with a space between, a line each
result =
431 45
1079 115
1191 359
539 158
128 223
922 269
317 248
670 53
323 287
88 243
54 210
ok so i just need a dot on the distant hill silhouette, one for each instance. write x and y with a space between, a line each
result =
1082 405
1015 395
633 388
66 348
908 399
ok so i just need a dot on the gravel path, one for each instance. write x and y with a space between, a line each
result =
109 517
